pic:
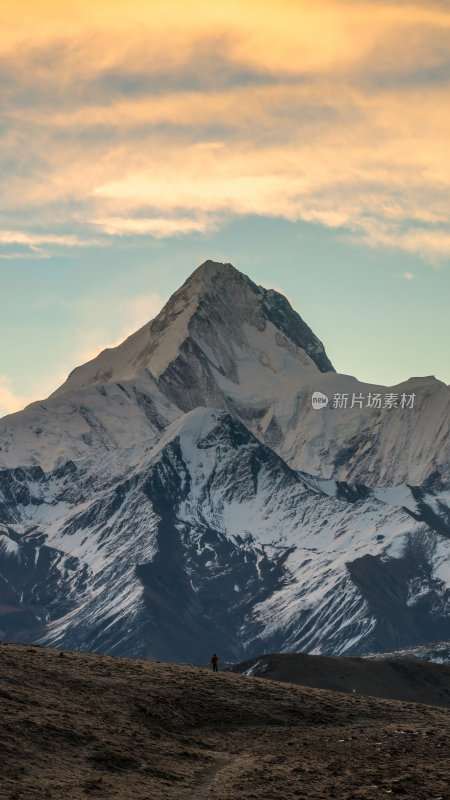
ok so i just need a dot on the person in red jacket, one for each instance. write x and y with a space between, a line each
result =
214 661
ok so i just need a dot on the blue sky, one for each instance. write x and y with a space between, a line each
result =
307 145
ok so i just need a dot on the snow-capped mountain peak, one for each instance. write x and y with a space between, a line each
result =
223 342
218 313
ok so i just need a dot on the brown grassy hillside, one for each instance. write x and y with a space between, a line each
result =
393 679
84 725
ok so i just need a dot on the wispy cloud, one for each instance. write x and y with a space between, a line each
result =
166 120
431 244
133 312
32 242
159 227
38 254
88 341
9 400
34 239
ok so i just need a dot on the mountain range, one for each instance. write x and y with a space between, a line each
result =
181 493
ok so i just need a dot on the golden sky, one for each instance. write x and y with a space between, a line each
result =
163 118
136 128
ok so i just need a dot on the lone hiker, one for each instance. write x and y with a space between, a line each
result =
214 661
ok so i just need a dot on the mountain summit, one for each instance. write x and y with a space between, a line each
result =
216 320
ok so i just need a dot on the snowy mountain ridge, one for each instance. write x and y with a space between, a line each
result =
181 489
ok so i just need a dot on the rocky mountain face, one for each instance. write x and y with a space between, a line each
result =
434 652
180 493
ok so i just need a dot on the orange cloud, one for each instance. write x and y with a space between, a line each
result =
9 400
12 401
285 35
166 119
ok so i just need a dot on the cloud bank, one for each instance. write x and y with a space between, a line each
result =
168 119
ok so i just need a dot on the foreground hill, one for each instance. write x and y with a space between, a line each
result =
394 679
77 725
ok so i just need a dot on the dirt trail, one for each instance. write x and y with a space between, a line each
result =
216 778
